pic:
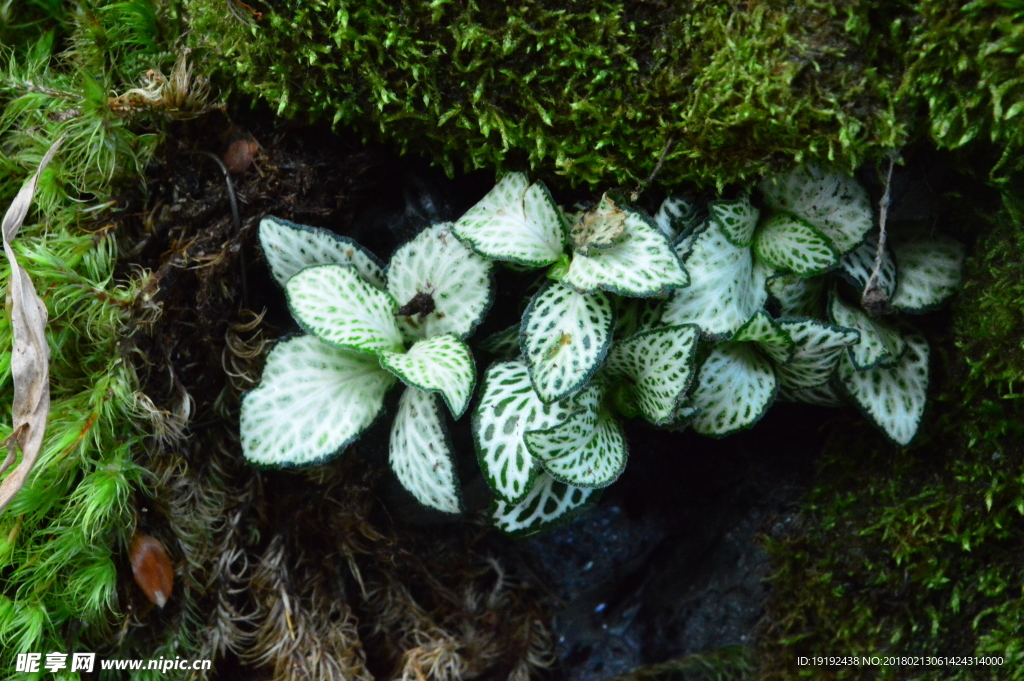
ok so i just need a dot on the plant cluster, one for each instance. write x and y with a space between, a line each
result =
698 317
920 549
66 530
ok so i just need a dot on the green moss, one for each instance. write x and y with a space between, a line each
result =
64 536
917 552
966 63
591 90
595 91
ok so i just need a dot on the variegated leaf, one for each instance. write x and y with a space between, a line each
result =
420 453
880 344
797 296
769 335
642 265
549 504
929 270
894 397
503 344
677 216
565 337
587 450
833 202
789 244
857 265
441 285
683 419
726 286
508 408
442 364
333 303
290 247
633 315
656 368
737 220
818 347
516 222
824 395
312 402
734 390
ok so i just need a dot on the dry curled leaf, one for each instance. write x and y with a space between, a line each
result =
30 356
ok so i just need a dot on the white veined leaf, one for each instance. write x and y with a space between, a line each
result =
290 247
442 364
656 367
737 220
312 402
790 244
503 344
601 227
587 450
857 265
734 390
726 286
929 270
549 504
769 335
677 216
507 409
441 285
818 347
797 296
642 265
824 395
833 202
627 316
333 303
880 344
515 222
633 315
892 397
565 337
683 418
420 453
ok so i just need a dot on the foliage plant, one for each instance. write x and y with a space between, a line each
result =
700 316
919 549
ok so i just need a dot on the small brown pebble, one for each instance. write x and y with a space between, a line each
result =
240 154
152 568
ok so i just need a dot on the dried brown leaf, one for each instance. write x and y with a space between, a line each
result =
30 355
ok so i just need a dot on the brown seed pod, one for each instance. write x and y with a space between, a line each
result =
152 568
240 155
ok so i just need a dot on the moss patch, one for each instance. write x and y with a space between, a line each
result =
597 91
917 552
594 91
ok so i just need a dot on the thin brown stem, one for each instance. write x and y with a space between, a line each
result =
873 298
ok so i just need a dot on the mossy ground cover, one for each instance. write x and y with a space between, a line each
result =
917 552
599 91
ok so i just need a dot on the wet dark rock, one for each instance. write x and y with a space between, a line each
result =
670 563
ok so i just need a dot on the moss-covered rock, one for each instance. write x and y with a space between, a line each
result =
965 62
917 552
598 91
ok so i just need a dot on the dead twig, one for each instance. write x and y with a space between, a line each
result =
873 298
